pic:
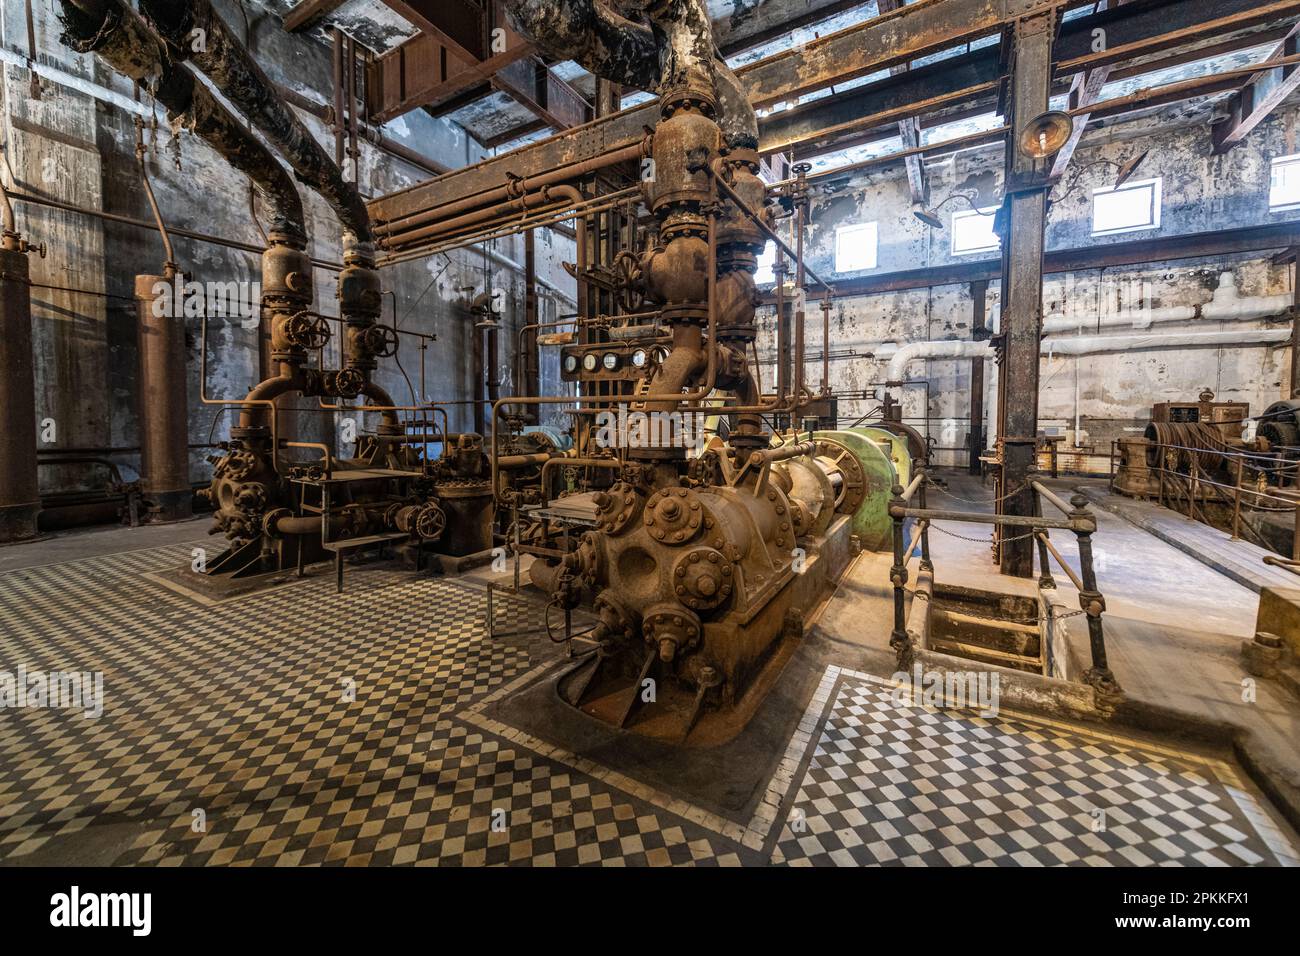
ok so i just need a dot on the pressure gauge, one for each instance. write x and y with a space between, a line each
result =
611 362
589 361
571 363
639 358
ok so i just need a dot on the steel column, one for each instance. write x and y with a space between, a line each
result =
1024 214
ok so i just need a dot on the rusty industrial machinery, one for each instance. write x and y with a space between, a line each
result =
1201 459
698 516
276 509
699 536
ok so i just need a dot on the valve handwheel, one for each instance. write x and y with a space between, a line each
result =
308 330
430 523
628 277
382 341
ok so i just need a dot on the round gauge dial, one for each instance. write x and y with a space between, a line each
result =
589 361
611 362
639 358
570 363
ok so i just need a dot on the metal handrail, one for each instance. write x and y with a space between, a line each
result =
1078 519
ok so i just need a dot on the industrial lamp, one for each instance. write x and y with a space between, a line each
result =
1046 134
931 215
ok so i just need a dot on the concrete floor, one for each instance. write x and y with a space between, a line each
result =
385 726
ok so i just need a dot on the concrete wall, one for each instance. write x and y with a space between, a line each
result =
77 144
1111 393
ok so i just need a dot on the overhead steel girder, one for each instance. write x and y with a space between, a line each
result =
1134 29
1259 96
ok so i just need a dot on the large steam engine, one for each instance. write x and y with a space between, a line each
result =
701 557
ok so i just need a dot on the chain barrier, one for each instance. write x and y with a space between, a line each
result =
977 501
962 537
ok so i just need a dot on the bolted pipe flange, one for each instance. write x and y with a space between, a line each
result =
703 578
673 516
672 629
617 508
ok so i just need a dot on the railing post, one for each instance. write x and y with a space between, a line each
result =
926 563
898 639
1091 601
1045 579
1236 502
1160 471
1295 539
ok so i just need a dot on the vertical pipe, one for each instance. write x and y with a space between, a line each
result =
338 97
530 360
19 495
979 297
354 146
164 401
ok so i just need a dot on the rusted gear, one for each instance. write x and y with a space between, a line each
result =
671 629
617 508
702 578
307 330
674 515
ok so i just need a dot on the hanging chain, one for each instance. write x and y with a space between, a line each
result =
962 537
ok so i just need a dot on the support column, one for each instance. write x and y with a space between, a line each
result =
530 361
1024 215
164 401
979 298
19 496
1295 326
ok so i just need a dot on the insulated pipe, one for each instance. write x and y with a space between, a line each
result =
114 32
235 73
1226 305
593 35
676 50
1082 345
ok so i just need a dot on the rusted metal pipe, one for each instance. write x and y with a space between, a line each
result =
19 496
163 400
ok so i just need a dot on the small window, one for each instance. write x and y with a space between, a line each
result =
1284 188
855 247
972 231
1132 207
766 272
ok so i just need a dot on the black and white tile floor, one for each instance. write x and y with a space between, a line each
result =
306 727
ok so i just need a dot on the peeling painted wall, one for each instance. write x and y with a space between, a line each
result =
78 147
1109 395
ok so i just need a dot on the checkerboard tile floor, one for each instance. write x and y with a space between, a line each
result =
304 727
905 785
293 727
